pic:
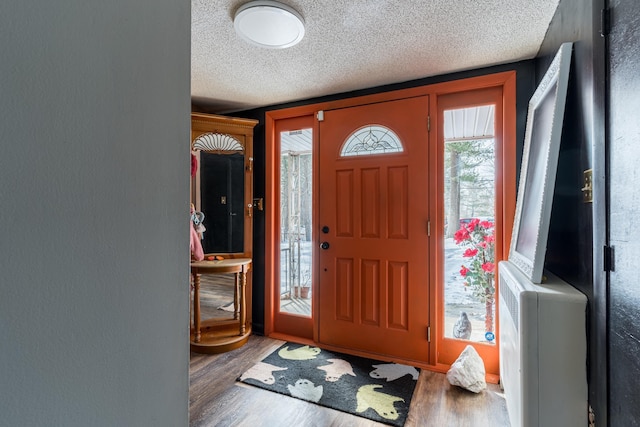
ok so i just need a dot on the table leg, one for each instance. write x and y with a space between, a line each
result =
196 308
243 304
236 295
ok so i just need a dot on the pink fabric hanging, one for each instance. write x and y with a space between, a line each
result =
194 164
197 253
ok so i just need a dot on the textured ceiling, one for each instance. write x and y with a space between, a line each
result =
357 44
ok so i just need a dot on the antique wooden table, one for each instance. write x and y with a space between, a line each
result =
218 337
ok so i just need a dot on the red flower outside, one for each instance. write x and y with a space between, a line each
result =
461 235
470 253
488 267
472 224
486 224
477 246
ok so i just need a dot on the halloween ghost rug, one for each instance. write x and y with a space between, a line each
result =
379 391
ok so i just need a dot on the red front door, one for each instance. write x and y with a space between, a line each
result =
373 196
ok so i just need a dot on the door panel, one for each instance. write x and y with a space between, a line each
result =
373 279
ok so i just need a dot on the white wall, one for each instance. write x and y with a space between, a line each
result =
94 175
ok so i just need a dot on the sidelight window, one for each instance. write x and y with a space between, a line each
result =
469 235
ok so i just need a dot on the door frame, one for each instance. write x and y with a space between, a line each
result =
286 324
450 348
506 80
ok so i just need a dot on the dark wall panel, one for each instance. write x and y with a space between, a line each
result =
569 251
624 150
574 248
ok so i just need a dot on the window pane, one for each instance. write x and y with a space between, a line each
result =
373 139
469 260
295 221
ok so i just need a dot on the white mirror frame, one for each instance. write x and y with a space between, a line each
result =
539 166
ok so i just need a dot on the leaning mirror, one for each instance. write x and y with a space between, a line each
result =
539 165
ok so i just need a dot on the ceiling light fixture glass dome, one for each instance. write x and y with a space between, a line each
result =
269 24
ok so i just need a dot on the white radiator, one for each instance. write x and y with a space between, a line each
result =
543 350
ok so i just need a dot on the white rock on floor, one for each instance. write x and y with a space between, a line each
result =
468 371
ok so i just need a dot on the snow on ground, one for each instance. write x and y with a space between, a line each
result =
457 297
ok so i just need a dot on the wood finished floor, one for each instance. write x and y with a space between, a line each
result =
217 399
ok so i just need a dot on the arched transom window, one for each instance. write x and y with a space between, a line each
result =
217 143
371 139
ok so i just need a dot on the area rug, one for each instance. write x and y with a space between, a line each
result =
376 390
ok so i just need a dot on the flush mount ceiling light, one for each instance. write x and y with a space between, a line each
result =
269 24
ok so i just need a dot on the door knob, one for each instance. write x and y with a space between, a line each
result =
324 245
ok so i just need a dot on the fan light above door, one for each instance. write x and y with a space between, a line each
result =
269 24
